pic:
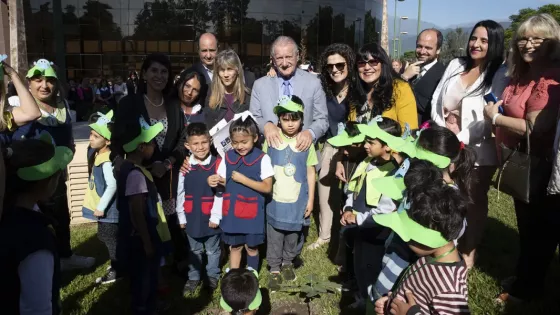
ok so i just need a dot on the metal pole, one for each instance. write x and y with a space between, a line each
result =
399 44
395 28
400 47
419 16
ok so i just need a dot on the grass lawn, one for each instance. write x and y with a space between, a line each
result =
497 260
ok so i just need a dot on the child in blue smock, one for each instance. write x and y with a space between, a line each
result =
246 172
198 215
292 194
100 202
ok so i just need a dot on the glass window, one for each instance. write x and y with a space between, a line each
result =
187 47
110 46
73 47
91 46
175 47
73 61
92 61
163 46
151 46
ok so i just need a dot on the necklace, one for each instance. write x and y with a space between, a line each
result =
151 103
341 93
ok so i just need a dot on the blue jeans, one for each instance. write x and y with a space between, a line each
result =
213 251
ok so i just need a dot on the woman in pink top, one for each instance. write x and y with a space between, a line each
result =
532 95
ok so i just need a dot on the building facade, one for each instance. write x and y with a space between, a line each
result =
91 38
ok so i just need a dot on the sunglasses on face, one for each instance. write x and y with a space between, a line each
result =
339 66
372 63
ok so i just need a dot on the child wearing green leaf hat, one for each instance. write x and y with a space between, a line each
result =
142 225
100 198
437 282
29 257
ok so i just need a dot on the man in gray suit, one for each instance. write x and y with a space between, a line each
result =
289 81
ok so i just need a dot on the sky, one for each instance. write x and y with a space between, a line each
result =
445 13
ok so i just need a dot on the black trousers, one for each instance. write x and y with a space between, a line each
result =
56 208
107 234
539 235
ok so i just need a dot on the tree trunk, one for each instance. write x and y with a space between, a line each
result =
385 28
18 43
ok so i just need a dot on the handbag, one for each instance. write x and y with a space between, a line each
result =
518 175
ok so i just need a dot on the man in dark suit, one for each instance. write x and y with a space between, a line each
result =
207 50
424 75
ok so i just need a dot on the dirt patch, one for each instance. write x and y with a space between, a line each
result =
291 309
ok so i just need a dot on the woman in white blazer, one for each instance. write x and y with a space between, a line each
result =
458 104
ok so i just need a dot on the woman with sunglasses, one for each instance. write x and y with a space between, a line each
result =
381 89
532 98
339 83
458 104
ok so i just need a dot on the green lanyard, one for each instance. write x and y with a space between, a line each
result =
406 275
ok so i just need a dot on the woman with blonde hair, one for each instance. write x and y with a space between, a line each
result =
229 93
530 105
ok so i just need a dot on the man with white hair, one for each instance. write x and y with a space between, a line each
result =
290 80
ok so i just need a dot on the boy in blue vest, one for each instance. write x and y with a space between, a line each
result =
292 194
196 210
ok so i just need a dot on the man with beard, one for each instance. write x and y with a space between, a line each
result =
426 72
207 50
55 119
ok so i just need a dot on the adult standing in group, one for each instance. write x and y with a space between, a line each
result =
119 89
338 82
153 104
56 120
132 83
188 87
382 92
458 104
289 81
13 117
532 98
424 74
229 95
207 50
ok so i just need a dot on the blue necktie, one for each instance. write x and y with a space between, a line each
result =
286 88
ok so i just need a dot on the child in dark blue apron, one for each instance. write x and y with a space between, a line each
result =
198 215
246 172
142 226
292 194
29 260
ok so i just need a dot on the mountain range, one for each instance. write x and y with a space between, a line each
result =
410 25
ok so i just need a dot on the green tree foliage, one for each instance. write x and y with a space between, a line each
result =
409 55
370 34
454 45
524 14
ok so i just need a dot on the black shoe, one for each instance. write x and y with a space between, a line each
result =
288 273
213 283
274 282
298 262
109 277
190 286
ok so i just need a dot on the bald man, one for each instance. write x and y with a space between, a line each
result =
207 50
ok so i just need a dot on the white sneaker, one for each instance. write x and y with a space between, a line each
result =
76 262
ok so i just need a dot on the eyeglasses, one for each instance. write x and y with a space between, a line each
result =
372 63
339 66
535 41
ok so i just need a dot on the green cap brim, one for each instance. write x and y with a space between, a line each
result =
408 229
62 157
415 151
35 71
288 106
100 126
373 131
344 139
391 187
257 301
145 136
